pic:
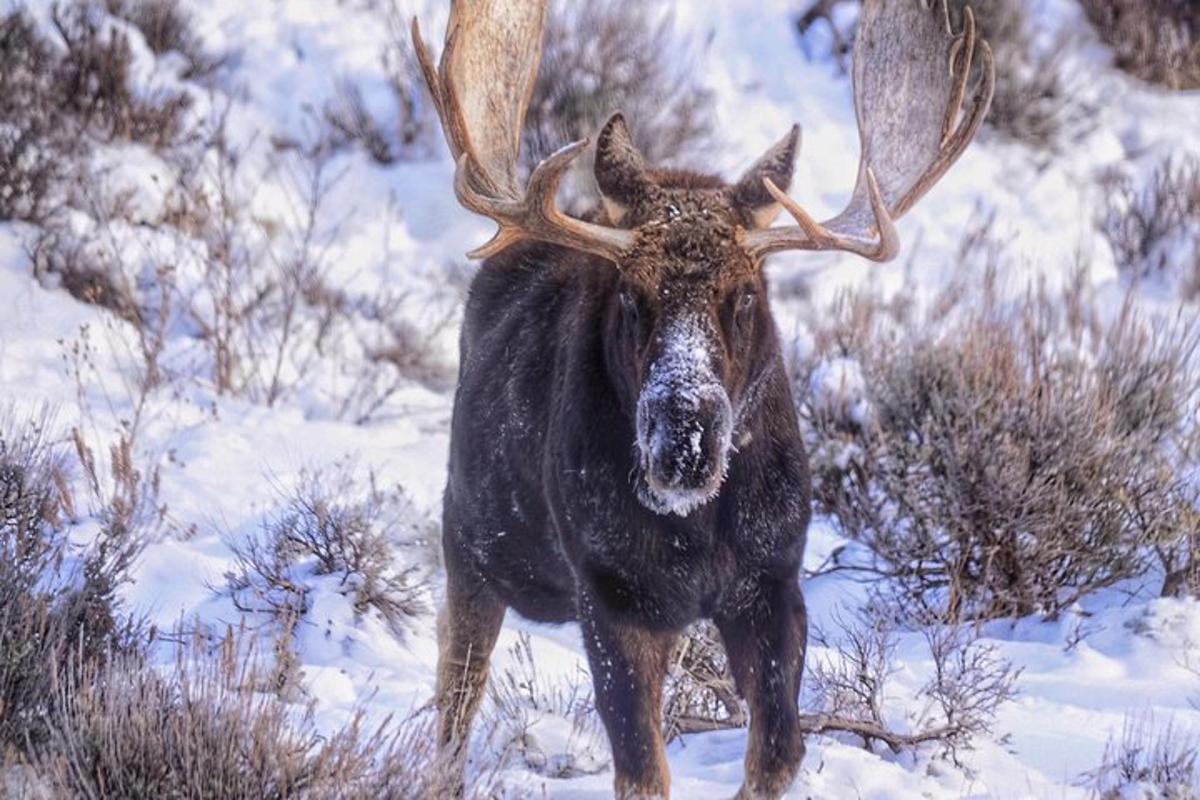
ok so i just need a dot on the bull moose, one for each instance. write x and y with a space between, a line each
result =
625 450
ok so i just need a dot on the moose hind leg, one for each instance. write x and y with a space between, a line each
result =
629 666
765 643
467 630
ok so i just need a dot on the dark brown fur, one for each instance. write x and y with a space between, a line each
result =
545 508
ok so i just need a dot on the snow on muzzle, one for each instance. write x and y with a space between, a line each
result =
684 422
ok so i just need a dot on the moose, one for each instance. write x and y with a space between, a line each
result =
625 450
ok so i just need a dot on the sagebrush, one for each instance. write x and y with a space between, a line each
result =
200 729
1154 40
59 607
1154 229
1007 459
602 57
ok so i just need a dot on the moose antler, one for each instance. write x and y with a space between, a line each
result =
911 77
481 91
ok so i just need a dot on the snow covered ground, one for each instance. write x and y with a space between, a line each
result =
398 227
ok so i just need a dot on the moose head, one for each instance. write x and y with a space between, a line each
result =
690 335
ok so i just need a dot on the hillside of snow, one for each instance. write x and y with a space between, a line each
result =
226 460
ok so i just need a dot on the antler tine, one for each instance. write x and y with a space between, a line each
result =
537 215
481 90
908 142
883 248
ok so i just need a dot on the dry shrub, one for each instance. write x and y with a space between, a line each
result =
266 308
1148 761
408 354
1154 40
168 28
411 132
58 604
1036 100
83 712
1006 461
1154 230
969 683
352 122
125 730
58 91
330 535
33 142
700 693
93 83
827 17
61 258
618 55
251 307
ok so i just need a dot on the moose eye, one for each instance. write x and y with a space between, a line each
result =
746 301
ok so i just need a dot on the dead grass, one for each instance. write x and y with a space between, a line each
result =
1152 760
201 729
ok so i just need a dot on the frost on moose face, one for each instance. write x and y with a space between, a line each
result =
684 421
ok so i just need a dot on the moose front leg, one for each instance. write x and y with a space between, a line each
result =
629 666
765 640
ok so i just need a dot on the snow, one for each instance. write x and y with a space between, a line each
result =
399 227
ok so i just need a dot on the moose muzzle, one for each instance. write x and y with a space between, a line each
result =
684 422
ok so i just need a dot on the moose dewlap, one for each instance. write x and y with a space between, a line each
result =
624 449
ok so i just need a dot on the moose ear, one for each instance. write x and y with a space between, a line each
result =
620 169
751 196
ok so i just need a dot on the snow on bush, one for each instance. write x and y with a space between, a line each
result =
334 552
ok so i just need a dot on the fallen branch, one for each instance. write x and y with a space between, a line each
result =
683 725
870 731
